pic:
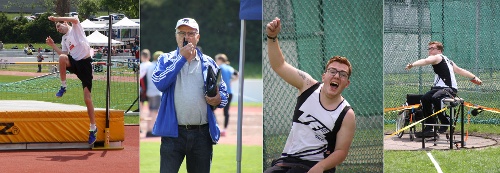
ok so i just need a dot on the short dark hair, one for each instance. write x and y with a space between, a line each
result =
342 60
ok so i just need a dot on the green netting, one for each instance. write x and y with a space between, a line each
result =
469 32
123 87
313 32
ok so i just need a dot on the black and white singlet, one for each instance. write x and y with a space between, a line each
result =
311 124
445 77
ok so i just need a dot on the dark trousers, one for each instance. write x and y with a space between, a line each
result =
194 144
433 98
226 111
39 66
292 165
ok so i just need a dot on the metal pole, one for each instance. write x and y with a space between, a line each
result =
478 17
462 142
419 52
108 74
240 97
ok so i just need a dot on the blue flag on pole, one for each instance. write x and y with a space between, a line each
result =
251 10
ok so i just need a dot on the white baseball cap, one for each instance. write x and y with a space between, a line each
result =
188 22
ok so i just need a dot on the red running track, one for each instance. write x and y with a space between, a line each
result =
76 160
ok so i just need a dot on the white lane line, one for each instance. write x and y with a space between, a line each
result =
438 168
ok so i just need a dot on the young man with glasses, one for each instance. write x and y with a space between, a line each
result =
445 84
323 122
185 121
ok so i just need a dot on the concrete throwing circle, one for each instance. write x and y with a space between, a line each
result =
404 143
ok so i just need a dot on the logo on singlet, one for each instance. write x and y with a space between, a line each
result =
317 126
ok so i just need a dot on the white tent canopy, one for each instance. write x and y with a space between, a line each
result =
126 23
98 39
88 25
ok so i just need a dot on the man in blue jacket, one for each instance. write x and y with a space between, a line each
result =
185 119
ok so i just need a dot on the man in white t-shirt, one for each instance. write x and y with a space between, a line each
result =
75 56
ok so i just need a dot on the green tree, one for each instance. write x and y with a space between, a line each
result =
39 29
87 8
219 27
128 7
62 7
7 29
22 31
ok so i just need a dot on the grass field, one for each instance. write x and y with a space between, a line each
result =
8 79
131 119
22 45
484 160
464 160
224 158
44 91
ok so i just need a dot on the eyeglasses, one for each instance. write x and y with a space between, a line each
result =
342 74
430 48
189 34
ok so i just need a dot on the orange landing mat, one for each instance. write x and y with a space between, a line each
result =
46 126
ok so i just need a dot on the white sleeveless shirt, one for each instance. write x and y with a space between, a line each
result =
311 123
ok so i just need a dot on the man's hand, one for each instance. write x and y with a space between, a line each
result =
273 28
409 66
188 51
214 101
50 42
52 18
476 81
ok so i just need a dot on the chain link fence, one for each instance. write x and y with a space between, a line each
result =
123 87
468 30
313 32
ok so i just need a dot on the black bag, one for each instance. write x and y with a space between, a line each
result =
213 80
412 99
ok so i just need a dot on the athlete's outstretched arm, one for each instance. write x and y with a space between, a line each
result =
295 77
73 20
430 60
465 73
